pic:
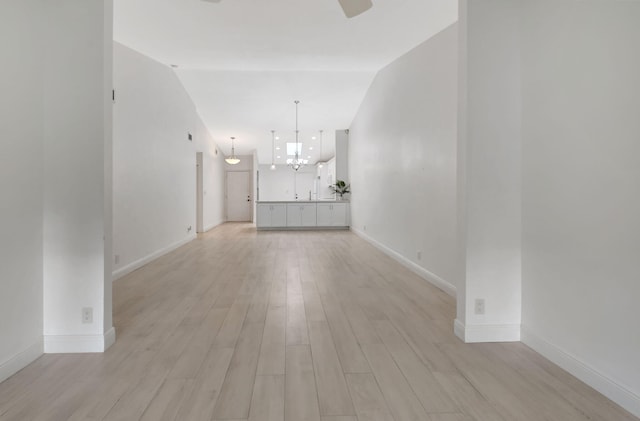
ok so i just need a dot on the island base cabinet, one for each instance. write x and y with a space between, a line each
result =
332 215
301 215
272 215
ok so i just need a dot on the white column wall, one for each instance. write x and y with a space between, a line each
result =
490 139
402 160
21 184
75 118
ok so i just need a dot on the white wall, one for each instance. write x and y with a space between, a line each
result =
55 133
490 153
283 182
213 187
581 185
76 114
550 133
402 151
21 184
154 175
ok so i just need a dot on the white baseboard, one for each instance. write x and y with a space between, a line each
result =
599 381
73 344
109 338
125 270
486 333
21 360
418 270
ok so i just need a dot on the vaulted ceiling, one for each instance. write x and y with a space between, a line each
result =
244 62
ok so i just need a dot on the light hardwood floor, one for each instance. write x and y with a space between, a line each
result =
295 326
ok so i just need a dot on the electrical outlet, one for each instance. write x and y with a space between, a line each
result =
116 259
419 255
87 315
189 228
479 306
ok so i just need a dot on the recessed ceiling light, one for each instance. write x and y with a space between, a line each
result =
277 137
313 138
277 148
309 156
278 156
310 148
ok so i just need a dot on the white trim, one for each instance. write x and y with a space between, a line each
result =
125 270
21 360
109 338
613 390
73 344
418 270
487 333
458 329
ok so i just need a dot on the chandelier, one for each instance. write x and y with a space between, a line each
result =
296 163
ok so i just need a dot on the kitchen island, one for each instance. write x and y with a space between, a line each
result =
302 214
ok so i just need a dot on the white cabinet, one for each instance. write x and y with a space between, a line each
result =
301 215
272 215
332 215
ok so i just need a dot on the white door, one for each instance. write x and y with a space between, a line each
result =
239 196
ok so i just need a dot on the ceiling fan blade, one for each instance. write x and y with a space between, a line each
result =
353 8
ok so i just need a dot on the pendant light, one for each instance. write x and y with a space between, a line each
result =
273 149
296 163
233 159
320 164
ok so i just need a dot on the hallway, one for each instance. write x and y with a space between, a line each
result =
293 326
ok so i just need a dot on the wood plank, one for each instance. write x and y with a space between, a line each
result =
297 333
422 381
267 403
272 351
301 399
367 398
351 357
200 403
165 405
333 394
232 325
402 402
235 397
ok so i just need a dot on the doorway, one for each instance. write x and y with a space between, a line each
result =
199 194
239 196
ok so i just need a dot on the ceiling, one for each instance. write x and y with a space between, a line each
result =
244 62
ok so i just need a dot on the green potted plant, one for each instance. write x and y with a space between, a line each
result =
340 188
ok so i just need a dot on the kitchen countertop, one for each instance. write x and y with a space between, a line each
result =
302 201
